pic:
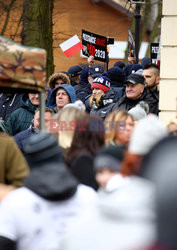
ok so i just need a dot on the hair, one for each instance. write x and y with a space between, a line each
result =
89 140
45 110
97 100
67 115
153 66
131 164
116 116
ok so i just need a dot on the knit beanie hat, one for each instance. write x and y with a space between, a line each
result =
140 111
136 67
109 157
116 74
127 69
119 64
42 148
145 61
132 68
146 134
77 104
101 82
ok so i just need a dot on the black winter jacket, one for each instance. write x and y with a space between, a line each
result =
8 104
147 96
106 104
21 118
82 90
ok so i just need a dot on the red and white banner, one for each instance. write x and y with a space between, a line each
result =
71 46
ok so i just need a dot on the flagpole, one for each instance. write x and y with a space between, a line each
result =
137 31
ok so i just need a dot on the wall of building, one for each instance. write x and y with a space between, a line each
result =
168 71
71 16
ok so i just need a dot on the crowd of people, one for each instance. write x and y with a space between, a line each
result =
101 176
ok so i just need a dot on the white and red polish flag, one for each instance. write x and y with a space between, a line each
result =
71 46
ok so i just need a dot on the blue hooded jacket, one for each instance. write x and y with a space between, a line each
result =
69 90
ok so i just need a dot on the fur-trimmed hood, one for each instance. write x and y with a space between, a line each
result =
56 76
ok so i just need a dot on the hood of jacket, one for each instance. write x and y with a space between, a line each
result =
52 181
69 90
26 104
56 76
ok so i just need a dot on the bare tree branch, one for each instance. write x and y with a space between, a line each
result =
7 16
18 25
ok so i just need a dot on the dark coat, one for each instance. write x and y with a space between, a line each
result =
119 91
147 96
106 104
82 168
21 118
118 87
87 103
8 104
82 90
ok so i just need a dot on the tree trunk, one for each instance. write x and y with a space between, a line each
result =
155 32
38 27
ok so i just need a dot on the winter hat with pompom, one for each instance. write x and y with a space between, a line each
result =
146 134
140 111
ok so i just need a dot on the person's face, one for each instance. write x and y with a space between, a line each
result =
97 92
58 82
103 176
62 98
34 98
172 128
134 91
47 118
151 77
122 135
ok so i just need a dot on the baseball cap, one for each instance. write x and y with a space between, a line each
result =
135 79
95 70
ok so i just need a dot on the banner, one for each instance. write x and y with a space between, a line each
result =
94 45
155 52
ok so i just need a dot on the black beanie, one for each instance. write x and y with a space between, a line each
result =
42 148
116 74
109 157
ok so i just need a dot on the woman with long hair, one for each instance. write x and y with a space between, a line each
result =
88 138
118 127
64 125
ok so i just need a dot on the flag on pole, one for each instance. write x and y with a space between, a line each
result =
71 46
